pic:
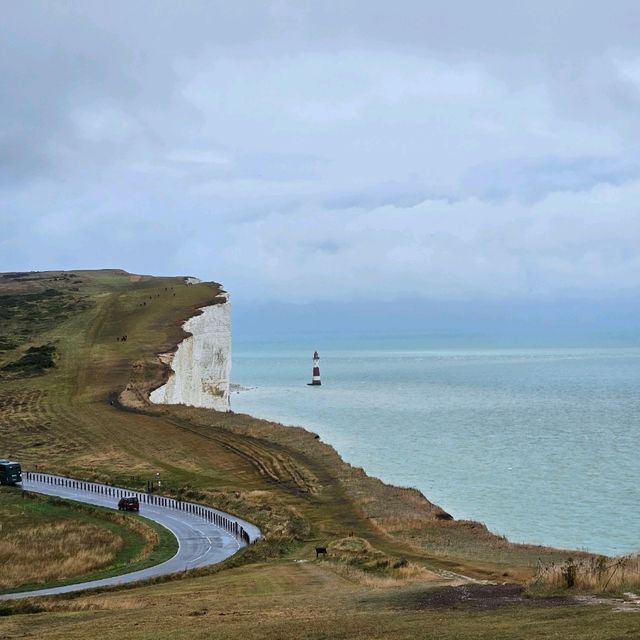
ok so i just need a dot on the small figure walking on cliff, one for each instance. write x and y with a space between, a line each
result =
315 376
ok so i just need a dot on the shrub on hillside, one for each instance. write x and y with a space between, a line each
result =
35 360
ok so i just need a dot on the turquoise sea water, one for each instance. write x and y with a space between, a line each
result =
539 443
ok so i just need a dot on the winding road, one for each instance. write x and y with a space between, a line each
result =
205 535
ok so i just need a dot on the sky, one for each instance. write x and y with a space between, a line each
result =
340 153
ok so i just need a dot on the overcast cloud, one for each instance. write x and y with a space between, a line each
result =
327 150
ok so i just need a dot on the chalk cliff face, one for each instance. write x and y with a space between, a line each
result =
201 366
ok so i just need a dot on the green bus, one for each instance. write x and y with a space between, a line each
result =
10 472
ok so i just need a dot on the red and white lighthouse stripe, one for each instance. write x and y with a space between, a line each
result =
315 377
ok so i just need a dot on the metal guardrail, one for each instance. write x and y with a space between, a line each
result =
208 514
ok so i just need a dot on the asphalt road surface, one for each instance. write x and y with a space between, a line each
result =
205 535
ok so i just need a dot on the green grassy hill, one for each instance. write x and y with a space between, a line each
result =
73 400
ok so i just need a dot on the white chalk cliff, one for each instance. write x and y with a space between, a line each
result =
201 366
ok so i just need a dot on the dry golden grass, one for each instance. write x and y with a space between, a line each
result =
383 580
45 540
357 560
149 535
595 574
55 551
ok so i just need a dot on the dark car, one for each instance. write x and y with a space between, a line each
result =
129 503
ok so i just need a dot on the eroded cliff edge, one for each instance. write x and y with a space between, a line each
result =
201 365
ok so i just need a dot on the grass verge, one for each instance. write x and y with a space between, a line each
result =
49 542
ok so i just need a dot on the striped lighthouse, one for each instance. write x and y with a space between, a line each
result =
315 376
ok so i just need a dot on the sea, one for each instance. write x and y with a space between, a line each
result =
538 441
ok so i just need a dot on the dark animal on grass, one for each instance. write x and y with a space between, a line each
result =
321 551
